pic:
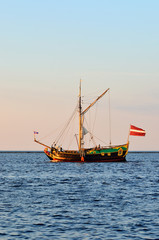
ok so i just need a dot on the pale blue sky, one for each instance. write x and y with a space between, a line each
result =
47 46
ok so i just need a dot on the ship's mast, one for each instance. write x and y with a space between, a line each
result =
80 119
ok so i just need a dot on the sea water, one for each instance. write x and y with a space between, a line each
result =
40 199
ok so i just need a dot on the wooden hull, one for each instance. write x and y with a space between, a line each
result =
107 154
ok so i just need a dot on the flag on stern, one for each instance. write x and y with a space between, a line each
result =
135 131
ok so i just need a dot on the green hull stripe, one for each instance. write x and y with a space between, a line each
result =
109 150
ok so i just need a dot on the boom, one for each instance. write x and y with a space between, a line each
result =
41 143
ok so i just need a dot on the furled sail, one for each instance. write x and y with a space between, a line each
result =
85 131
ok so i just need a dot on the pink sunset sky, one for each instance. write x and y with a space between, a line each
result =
48 46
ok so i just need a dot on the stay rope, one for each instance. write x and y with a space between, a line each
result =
67 124
67 130
109 121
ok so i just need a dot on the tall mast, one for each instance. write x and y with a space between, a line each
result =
80 120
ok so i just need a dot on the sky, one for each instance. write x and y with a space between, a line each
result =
48 46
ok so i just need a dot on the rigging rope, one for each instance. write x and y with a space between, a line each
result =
51 133
65 133
91 135
95 118
67 124
109 121
99 139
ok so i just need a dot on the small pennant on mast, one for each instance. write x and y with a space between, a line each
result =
35 132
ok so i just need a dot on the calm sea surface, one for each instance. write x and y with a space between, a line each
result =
44 200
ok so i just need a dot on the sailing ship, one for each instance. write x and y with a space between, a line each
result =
111 153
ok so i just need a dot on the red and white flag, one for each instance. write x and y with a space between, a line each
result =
135 131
